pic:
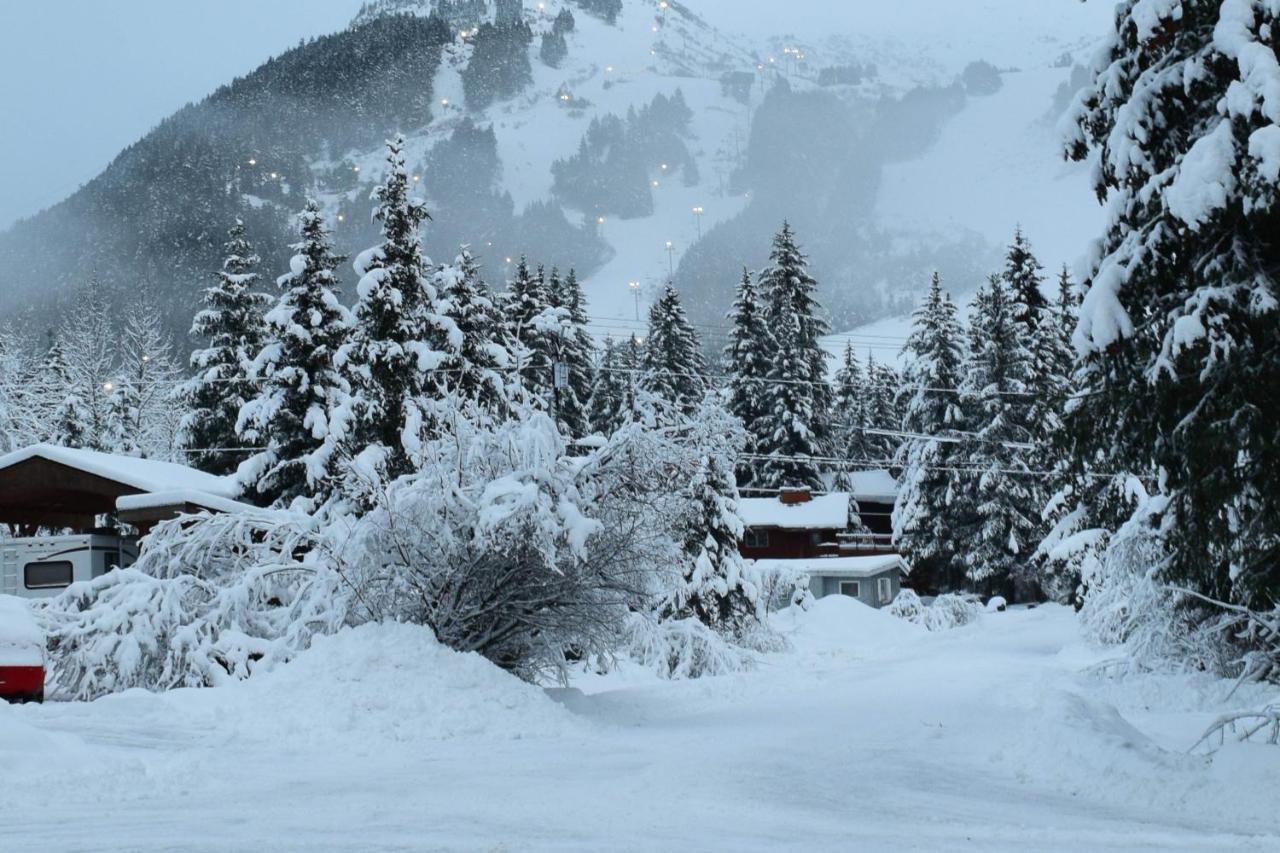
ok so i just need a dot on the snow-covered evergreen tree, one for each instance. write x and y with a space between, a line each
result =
674 369
997 484
87 347
532 325
149 412
1023 274
714 586
233 330
746 361
1049 360
478 366
796 420
68 419
575 349
299 414
399 339
928 515
883 410
1178 324
852 403
611 390
15 382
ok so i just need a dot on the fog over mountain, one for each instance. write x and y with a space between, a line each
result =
897 137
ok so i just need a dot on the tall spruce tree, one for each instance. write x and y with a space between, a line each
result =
795 429
746 361
233 330
530 322
478 365
1178 324
997 485
1047 372
399 340
67 420
574 348
298 416
852 410
713 586
674 369
927 517
610 390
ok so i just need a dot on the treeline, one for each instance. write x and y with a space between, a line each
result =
987 405
619 159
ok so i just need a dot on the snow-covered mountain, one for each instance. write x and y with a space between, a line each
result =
850 122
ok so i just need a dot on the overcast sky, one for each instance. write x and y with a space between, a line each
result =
81 79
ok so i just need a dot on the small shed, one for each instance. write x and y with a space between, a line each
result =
45 486
874 580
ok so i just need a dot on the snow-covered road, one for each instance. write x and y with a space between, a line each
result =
872 735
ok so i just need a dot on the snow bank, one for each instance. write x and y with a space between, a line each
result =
384 682
21 640
843 622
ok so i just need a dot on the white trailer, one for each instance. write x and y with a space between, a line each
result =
43 566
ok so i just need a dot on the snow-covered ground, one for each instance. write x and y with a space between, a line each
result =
871 735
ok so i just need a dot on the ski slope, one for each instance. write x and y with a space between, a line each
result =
872 735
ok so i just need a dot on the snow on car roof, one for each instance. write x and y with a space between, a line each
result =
19 634
824 512
148 475
845 567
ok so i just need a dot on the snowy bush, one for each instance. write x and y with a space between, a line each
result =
782 586
681 648
908 606
211 600
1261 726
494 545
944 613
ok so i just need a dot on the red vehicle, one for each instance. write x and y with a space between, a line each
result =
21 653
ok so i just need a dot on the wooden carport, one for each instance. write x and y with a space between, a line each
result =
59 488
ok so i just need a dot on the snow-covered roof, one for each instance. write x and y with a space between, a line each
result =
875 486
147 475
182 497
843 567
823 512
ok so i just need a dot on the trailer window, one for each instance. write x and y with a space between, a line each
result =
47 575
110 560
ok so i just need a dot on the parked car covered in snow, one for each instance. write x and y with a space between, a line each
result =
21 653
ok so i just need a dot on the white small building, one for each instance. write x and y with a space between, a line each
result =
874 580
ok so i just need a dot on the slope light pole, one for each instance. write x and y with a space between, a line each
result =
697 217
635 289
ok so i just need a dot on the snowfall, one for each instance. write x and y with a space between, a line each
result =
871 734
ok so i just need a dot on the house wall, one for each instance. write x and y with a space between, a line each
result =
793 545
824 585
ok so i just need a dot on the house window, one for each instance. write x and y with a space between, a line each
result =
47 575
884 588
853 589
757 538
